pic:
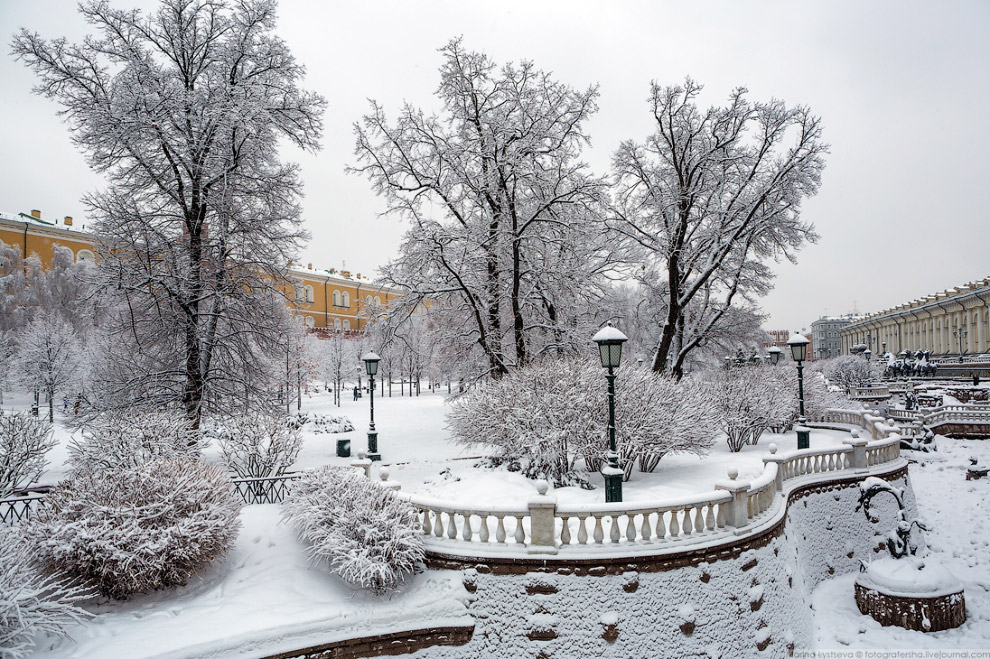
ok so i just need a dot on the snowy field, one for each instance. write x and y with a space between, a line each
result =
416 447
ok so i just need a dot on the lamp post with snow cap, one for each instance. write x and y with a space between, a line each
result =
371 360
610 340
799 349
773 354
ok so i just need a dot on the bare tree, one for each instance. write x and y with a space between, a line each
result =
48 356
709 197
183 111
497 198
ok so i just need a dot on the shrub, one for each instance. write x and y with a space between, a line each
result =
850 371
362 531
545 415
31 603
24 441
131 437
136 528
259 444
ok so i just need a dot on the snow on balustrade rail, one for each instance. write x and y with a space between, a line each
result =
958 413
440 519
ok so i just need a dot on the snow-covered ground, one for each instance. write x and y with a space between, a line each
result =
263 598
958 511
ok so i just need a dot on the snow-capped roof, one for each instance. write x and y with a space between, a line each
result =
609 333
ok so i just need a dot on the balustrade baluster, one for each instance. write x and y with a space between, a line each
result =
720 516
438 525
699 521
500 529
599 532
582 529
483 534
565 531
520 533
630 527
427 525
613 530
674 527
709 517
687 527
466 532
661 529
451 526
644 529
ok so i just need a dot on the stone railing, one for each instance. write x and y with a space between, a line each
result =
734 508
906 416
872 392
957 414
876 426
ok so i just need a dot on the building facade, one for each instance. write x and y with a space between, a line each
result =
954 322
324 299
778 339
826 335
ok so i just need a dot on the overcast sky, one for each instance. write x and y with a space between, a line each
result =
903 89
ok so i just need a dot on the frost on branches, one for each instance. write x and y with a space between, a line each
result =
850 371
32 603
24 442
258 444
363 532
131 437
545 416
136 528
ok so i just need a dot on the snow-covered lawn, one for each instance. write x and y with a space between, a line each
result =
958 511
263 598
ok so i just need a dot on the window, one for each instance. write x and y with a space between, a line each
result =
310 322
367 300
347 324
347 299
378 300
85 256
336 298
310 297
336 323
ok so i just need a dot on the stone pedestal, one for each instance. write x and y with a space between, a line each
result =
900 593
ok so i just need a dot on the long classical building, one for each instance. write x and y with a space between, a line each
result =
954 322
324 299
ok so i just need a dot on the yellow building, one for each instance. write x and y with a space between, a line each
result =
324 299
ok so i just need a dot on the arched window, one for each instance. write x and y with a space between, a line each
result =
85 256
347 324
310 322
347 299
378 300
336 323
310 297
367 300
336 298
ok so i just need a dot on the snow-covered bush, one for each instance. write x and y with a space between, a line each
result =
363 532
136 528
130 437
31 603
850 371
259 444
752 399
322 423
546 415
24 442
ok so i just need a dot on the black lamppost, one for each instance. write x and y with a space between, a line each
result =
961 334
773 354
371 367
799 349
868 354
610 340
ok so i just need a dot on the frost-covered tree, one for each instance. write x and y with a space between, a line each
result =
506 241
183 110
850 371
24 442
131 437
137 528
258 444
711 196
549 414
362 531
32 604
48 356
752 399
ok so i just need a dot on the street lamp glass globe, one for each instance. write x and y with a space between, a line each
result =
610 340
371 360
799 346
773 354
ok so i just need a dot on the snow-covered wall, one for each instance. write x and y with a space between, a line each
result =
755 603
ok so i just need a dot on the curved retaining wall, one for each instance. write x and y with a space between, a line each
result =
745 599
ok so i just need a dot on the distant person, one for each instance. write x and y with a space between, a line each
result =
976 380
65 404
356 392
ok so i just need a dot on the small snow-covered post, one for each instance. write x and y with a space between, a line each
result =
859 450
773 457
737 511
363 463
542 509
395 486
